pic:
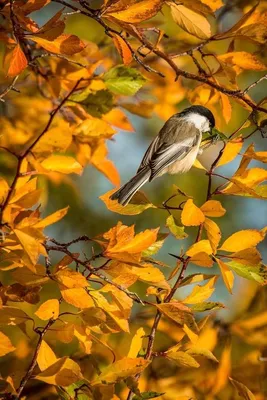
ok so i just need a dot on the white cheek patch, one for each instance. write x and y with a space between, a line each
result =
200 122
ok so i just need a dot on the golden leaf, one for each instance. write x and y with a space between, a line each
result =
226 107
64 164
213 233
213 4
179 313
46 356
192 335
5 345
182 359
31 246
51 219
4 188
190 21
137 244
242 240
248 256
243 60
231 150
63 44
71 279
121 369
49 309
203 246
77 297
191 214
63 372
136 343
138 204
201 293
243 391
213 208
136 12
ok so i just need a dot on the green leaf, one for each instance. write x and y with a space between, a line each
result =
124 80
155 247
95 103
206 306
256 273
177 231
77 390
148 395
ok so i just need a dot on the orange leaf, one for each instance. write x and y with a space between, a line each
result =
191 214
213 208
136 343
137 12
63 44
123 49
119 119
226 107
18 62
139 243
5 345
49 309
46 356
242 240
243 60
63 164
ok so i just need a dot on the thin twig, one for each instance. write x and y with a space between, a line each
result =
10 87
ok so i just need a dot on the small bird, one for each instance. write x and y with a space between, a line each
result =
173 150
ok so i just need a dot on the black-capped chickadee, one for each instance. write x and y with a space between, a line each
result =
173 150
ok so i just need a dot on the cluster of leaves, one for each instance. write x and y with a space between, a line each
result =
73 97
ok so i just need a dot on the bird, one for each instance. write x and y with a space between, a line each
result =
172 151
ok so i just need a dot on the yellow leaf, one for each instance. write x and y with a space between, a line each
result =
121 369
202 259
71 279
213 233
246 179
243 60
108 169
136 245
30 245
203 246
248 256
197 351
4 188
49 309
243 240
227 275
77 297
63 44
118 118
242 390
51 219
193 23
64 164
179 313
138 204
213 4
191 214
63 372
136 343
5 345
192 335
137 12
213 208
148 273
226 107
231 150
93 128
201 293
56 139
18 62
182 359
223 371
46 356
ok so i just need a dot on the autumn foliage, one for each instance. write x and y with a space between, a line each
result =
112 320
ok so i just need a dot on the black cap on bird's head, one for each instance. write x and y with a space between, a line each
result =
201 110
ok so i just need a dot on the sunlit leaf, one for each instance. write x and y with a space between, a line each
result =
46 356
242 240
136 12
213 208
213 233
5 345
63 372
183 359
227 275
124 80
48 309
191 214
136 343
177 231
18 61
64 44
138 204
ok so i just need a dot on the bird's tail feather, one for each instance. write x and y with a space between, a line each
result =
126 192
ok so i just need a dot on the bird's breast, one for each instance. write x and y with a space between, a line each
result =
184 165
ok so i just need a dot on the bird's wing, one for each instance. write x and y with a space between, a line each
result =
149 153
167 154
